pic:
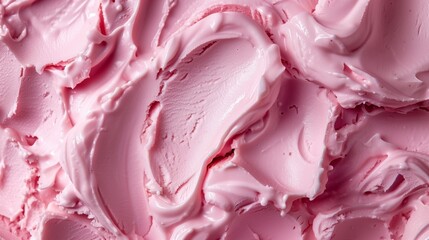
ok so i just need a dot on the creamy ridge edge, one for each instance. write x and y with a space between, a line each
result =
233 119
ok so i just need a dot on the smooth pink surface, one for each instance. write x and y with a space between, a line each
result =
232 119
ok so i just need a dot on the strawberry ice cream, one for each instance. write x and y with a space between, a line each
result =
232 119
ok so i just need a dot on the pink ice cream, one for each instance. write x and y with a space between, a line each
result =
232 119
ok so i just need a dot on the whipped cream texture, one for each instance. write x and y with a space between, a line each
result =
232 119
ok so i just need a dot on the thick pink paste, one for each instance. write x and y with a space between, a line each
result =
214 119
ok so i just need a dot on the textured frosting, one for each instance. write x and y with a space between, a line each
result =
214 119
